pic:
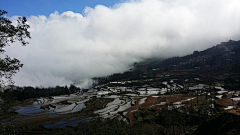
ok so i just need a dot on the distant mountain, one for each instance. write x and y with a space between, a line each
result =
222 61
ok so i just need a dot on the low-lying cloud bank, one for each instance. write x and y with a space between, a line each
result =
69 47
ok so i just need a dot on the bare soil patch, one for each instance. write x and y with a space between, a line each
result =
234 111
174 99
226 102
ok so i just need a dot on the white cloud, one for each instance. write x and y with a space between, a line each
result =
70 47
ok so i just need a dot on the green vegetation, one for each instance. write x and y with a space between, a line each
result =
114 127
6 103
24 93
9 66
175 121
95 104
8 35
224 123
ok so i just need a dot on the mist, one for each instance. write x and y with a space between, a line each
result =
72 47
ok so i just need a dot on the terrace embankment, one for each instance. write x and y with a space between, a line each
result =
235 111
96 104
227 102
156 102
36 122
149 101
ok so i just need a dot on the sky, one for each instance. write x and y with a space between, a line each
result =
73 41
29 8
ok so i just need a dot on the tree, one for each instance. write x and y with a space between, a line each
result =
8 35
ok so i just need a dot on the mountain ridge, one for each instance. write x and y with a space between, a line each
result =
221 60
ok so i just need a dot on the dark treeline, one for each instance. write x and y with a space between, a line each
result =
23 93
128 75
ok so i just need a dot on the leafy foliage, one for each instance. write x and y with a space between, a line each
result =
114 127
6 102
175 121
224 123
8 35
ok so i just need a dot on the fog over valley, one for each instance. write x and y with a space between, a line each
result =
70 47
